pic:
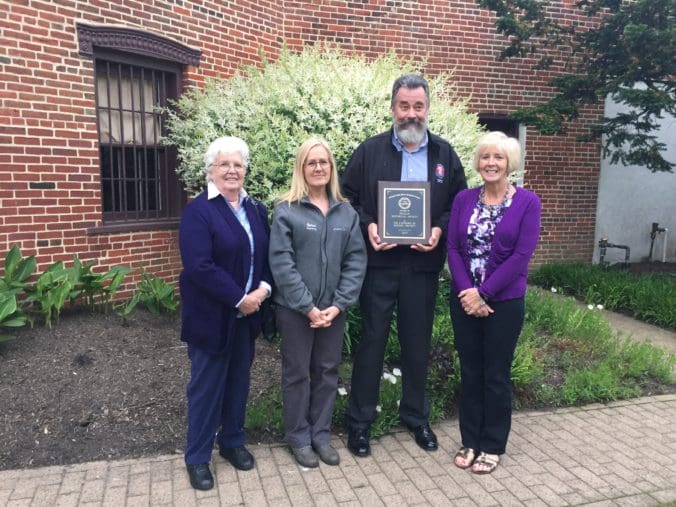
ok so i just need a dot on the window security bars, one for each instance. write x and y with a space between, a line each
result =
138 181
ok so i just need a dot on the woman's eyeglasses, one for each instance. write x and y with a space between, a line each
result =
225 166
314 164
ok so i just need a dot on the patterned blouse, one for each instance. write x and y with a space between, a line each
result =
480 231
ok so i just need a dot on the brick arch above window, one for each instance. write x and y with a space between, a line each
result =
136 75
132 40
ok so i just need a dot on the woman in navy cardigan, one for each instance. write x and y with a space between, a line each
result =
492 233
223 239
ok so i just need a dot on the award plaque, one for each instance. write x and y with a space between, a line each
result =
404 211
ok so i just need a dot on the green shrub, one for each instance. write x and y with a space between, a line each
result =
566 355
95 288
59 285
276 106
352 330
153 293
649 297
54 288
598 383
265 414
10 314
51 291
17 270
387 411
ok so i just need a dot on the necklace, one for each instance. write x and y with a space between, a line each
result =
482 196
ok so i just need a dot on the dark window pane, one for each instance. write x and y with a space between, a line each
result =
138 177
493 123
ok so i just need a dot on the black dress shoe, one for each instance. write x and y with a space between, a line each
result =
358 442
200 476
238 457
425 437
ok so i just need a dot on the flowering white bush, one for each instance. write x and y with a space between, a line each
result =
274 108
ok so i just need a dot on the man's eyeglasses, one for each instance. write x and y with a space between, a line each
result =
314 164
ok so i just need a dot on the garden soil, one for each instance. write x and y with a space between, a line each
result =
98 386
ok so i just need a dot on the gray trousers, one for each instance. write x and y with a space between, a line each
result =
310 361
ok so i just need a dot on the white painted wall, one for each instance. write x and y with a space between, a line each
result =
631 198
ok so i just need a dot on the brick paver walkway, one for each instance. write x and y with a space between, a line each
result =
623 453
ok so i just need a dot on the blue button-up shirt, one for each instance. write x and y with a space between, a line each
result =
413 163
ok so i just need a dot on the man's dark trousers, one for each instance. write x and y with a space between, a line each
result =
414 293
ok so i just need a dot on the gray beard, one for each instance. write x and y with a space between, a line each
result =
411 134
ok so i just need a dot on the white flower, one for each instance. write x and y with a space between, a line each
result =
591 307
342 391
398 401
554 290
599 307
389 377
379 408
396 372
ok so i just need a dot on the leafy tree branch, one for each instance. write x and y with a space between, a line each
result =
621 49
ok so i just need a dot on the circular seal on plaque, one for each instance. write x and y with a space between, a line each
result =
404 203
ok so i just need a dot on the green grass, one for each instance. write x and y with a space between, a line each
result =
566 355
650 297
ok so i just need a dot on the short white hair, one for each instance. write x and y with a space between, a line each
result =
226 144
508 146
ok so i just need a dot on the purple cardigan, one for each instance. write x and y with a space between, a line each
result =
513 244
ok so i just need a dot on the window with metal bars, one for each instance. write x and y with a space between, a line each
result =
138 177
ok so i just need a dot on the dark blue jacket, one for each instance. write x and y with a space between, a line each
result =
216 261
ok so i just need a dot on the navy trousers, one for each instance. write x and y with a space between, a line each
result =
414 294
486 347
217 395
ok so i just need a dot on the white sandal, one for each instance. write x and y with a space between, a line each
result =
485 463
465 453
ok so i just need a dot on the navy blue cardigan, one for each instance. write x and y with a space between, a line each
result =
216 261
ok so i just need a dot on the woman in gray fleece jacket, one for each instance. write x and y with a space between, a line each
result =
318 261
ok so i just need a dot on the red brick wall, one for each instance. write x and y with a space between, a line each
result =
47 113
48 133
459 36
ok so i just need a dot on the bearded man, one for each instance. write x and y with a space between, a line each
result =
403 275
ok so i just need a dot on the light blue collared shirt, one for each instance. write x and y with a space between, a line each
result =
240 214
413 163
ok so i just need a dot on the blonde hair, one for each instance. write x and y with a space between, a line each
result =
508 146
299 188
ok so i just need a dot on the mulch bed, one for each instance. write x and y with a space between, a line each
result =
98 387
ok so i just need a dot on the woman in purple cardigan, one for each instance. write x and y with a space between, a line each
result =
223 238
492 233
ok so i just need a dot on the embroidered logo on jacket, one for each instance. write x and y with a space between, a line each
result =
439 172
309 226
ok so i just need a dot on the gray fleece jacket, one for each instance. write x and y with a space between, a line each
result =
316 260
